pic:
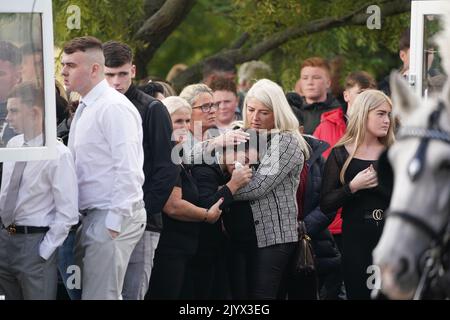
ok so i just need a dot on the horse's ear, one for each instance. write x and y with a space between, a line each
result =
404 99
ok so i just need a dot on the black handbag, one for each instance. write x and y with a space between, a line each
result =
304 258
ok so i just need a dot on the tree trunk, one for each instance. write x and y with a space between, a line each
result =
155 30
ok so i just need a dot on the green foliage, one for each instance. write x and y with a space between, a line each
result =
361 49
105 19
207 30
213 25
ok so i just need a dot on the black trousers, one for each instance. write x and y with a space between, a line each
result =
170 278
257 273
360 238
210 275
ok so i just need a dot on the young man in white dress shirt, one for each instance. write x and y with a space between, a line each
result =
106 142
38 204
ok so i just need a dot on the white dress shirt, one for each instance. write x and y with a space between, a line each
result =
108 154
48 194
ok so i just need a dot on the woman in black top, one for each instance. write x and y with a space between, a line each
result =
181 221
240 229
215 181
350 181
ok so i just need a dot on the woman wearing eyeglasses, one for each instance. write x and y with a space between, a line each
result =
182 217
271 192
200 97
204 136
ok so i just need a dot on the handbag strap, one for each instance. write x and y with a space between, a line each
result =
302 188
301 227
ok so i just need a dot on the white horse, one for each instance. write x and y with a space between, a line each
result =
419 211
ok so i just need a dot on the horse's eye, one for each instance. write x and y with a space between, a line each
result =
445 165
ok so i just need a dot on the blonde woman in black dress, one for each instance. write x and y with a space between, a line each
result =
350 181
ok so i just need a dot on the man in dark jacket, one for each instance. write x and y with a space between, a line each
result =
325 284
403 52
314 85
328 258
160 171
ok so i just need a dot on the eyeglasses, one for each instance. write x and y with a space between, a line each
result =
207 107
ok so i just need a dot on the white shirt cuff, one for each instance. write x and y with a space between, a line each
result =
114 221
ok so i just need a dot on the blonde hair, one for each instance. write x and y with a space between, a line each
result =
272 96
191 92
173 104
253 70
357 123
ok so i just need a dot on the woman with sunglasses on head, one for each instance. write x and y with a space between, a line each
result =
350 181
271 191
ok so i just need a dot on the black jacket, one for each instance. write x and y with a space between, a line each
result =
311 113
209 178
328 257
160 172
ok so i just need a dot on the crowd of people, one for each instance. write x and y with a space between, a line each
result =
155 195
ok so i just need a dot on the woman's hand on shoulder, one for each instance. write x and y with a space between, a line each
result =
231 138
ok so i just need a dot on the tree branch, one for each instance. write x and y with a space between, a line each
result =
239 55
159 26
240 41
168 16
357 17
152 6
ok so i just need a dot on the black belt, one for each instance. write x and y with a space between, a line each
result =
13 229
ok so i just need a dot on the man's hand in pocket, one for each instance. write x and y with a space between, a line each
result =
114 234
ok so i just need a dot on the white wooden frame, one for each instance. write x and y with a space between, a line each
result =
419 9
43 7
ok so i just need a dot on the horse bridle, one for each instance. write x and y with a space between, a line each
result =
417 164
415 169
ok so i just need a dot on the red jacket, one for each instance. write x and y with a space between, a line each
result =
331 128
336 226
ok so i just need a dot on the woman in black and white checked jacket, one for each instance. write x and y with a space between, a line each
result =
272 190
